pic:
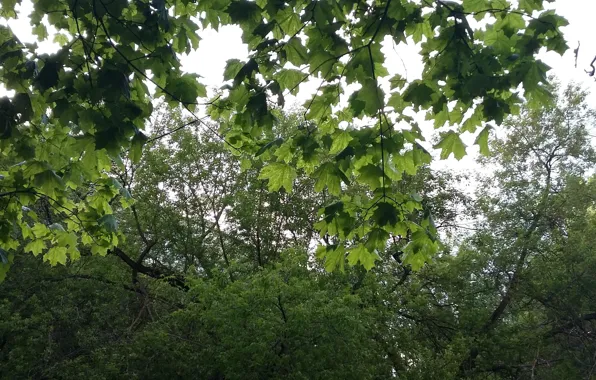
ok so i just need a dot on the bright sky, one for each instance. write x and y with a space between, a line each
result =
217 47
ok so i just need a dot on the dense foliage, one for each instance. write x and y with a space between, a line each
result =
204 233
217 278
74 113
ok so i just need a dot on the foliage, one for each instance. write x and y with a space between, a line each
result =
194 291
536 234
283 322
76 112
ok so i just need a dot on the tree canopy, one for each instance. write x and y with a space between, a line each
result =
197 292
72 115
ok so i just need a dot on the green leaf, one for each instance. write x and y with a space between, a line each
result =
539 97
289 21
40 31
320 108
296 52
367 100
536 73
7 8
530 5
233 67
474 120
285 152
40 230
56 255
498 40
514 21
451 143
371 175
419 250
289 79
185 88
48 181
108 222
397 81
67 239
385 214
244 12
377 240
334 258
99 250
35 246
245 165
422 29
279 175
397 102
328 175
136 146
359 254
476 5
420 156
341 139
269 145
482 141
418 93
416 261
441 118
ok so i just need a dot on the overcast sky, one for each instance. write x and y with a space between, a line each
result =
217 47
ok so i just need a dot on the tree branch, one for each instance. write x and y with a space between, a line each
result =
173 279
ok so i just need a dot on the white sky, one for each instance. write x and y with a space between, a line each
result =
217 47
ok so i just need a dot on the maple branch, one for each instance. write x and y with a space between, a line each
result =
174 279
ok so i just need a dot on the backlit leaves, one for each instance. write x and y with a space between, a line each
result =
56 255
48 182
419 94
296 53
76 112
185 89
341 139
476 5
482 141
334 257
419 250
35 246
360 254
367 100
328 175
233 67
371 175
451 143
535 75
278 175
289 79
385 214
